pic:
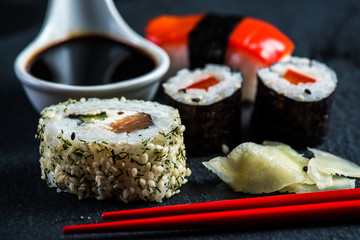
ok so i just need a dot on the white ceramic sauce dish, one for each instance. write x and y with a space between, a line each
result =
67 18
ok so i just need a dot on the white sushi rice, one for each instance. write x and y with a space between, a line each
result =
229 82
325 84
89 160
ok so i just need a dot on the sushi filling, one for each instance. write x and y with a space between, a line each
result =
203 86
132 123
300 79
205 83
295 77
117 121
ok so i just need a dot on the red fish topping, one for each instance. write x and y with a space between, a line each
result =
251 36
295 77
260 39
205 83
132 123
171 29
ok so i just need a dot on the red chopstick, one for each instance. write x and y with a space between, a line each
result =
309 213
236 204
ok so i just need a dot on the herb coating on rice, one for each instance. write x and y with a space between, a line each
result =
126 149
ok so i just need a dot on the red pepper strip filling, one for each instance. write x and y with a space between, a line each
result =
295 77
131 123
204 83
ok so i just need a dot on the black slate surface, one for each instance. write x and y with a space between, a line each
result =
324 30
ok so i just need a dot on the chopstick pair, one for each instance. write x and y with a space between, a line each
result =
249 212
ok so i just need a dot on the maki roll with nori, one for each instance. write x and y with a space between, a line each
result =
113 148
293 102
208 100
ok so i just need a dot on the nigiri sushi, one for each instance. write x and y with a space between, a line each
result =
243 43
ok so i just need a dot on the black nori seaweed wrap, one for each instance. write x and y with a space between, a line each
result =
209 39
300 124
210 126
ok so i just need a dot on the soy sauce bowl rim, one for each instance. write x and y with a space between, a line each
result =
161 60
152 76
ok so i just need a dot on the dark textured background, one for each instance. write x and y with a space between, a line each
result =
324 30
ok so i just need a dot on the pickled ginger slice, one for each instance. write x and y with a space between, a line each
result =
331 164
321 179
324 166
338 182
255 169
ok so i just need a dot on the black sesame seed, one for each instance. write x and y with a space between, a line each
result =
73 136
195 100
121 112
182 90
307 91
73 116
305 168
308 154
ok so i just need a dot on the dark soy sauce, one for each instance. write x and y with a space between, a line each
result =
90 60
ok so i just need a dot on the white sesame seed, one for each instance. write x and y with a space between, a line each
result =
142 182
102 161
73 180
71 186
168 194
109 186
108 165
111 179
145 192
165 150
160 185
225 148
159 147
300 98
66 180
173 180
182 129
176 172
151 146
150 175
114 169
188 172
136 158
134 172
81 195
144 158
151 183
160 169
125 193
